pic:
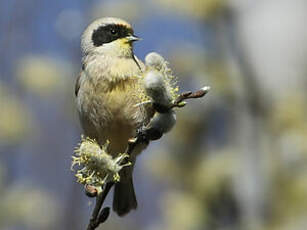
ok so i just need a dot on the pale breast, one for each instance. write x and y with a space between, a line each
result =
107 106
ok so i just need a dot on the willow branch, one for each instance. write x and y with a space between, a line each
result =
180 101
99 214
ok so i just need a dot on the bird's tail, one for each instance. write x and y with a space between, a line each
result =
124 197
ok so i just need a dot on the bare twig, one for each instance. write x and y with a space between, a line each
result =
90 191
98 216
180 101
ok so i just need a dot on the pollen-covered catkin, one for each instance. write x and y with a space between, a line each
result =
160 86
155 61
156 89
97 166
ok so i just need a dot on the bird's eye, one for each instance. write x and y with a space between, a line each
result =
113 31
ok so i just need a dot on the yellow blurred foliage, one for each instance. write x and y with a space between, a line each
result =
163 167
194 8
213 172
129 10
30 206
182 211
42 75
15 118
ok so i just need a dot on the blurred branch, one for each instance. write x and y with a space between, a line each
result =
250 109
252 94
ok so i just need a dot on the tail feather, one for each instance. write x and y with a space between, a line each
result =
124 197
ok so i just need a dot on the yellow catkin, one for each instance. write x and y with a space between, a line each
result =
97 166
170 82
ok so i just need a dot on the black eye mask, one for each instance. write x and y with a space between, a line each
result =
108 33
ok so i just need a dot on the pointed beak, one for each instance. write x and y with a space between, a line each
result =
133 38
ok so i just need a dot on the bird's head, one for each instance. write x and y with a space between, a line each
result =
108 36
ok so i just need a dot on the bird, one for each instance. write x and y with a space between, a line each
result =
105 93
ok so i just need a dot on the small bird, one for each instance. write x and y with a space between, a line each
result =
106 96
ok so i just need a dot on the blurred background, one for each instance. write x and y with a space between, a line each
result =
236 159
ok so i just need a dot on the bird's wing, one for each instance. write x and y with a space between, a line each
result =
139 63
77 84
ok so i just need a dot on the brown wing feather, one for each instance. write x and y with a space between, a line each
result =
77 85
